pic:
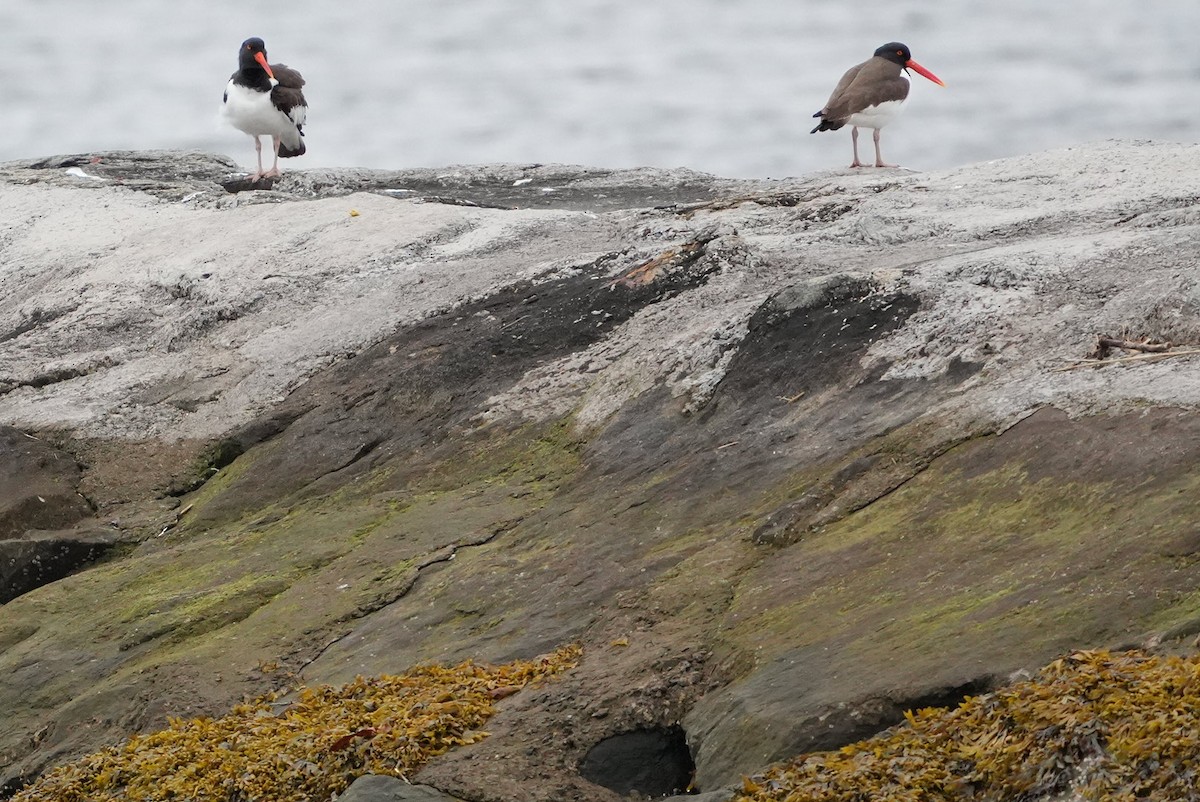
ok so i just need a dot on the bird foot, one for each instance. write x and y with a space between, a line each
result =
885 164
857 163
272 173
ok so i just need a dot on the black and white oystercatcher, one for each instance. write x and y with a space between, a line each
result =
265 100
870 95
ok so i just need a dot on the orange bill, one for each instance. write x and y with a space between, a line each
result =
261 59
911 65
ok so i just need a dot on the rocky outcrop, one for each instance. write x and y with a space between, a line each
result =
376 788
38 485
43 557
786 457
39 500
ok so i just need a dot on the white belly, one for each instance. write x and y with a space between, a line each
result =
876 116
255 114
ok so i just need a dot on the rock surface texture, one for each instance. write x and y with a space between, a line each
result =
787 457
375 788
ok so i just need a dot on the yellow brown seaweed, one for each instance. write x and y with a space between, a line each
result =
315 747
1113 727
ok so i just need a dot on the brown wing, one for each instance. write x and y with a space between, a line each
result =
869 84
841 87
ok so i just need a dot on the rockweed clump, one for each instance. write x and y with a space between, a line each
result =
312 749
1103 726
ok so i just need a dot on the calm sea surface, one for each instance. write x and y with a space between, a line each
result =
724 86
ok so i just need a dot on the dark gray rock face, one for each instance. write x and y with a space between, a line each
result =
377 788
39 499
719 795
45 557
38 485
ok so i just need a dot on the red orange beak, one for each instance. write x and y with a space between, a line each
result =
262 60
914 66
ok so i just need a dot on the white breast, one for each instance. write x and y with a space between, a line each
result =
254 113
876 116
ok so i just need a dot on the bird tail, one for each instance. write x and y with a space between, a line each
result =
286 151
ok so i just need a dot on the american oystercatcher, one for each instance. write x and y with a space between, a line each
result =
264 99
870 95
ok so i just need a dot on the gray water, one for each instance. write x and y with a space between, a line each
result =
723 86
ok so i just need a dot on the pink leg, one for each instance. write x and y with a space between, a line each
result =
274 171
258 152
879 156
854 142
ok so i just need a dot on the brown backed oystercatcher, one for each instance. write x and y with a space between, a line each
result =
264 99
870 95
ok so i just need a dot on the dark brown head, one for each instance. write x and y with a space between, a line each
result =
253 56
898 53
